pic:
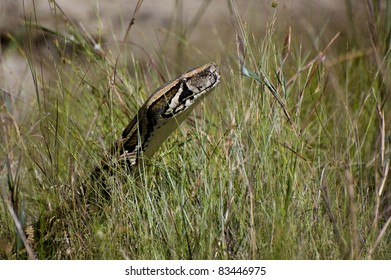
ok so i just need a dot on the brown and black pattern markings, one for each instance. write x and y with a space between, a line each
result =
163 111
161 114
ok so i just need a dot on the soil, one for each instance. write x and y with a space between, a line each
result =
205 28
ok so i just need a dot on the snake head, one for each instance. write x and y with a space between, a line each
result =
189 88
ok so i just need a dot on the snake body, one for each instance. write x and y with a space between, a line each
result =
162 113
158 117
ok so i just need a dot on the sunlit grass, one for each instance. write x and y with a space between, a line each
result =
240 179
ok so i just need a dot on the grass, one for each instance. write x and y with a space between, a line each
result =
239 180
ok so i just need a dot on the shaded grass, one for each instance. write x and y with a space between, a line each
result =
237 181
